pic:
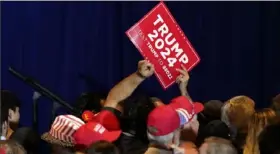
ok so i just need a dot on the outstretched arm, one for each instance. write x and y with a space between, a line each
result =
183 80
126 87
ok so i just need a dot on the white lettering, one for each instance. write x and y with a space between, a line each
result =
165 44
159 44
153 36
184 59
168 42
167 72
171 61
163 29
164 54
177 50
152 49
160 61
159 19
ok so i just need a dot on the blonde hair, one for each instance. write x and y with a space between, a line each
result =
237 111
257 123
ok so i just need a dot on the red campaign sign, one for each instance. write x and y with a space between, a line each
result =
160 40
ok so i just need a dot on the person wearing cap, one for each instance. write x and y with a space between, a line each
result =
165 122
109 116
163 130
92 132
60 136
188 106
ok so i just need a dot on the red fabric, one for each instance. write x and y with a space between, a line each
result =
3 150
183 102
108 120
92 132
64 127
163 120
87 115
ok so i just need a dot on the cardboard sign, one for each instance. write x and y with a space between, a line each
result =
160 40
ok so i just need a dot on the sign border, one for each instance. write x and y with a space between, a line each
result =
174 21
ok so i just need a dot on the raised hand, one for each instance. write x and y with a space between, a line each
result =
4 130
183 78
145 69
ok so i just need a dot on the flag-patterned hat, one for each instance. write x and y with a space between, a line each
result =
62 130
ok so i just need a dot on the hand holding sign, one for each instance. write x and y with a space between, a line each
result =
145 68
160 40
183 78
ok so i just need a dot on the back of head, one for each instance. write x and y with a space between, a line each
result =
91 101
214 128
102 147
237 112
11 147
269 140
258 122
217 145
9 100
28 138
172 138
136 111
213 108
212 111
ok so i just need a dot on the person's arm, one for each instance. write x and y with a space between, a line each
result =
183 80
126 87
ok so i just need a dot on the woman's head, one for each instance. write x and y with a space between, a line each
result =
257 123
237 111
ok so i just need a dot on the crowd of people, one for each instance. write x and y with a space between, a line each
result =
119 123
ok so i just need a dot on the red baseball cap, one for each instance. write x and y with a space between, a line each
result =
92 132
186 108
108 119
162 121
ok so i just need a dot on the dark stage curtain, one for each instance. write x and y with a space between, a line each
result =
56 42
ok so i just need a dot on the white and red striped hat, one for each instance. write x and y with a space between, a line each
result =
62 130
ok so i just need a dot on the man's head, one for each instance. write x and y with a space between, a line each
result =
269 140
136 111
163 126
214 145
187 111
237 112
212 111
93 101
10 105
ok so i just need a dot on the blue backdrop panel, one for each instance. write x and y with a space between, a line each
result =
239 45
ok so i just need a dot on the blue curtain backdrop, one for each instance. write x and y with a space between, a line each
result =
55 42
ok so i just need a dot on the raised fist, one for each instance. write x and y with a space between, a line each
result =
145 69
